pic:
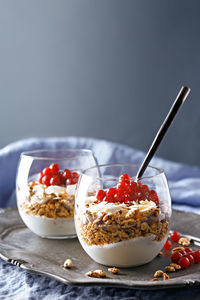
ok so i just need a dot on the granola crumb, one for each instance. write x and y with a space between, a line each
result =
96 274
67 264
185 241
176 266
155 279
158 273
113 270
165 276
170 268
177 249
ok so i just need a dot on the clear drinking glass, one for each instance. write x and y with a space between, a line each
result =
45 188
120 222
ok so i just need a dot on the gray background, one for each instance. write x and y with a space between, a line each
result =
105 69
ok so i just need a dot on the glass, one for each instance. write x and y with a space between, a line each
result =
45 187
120 222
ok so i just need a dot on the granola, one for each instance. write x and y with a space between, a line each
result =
53 204
124 223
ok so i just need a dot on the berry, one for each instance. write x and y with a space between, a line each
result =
190 257
101 195
47 171
40 176
176 256
125 178
153 197
167 245
75 177
55 180
110 199
55 168
188 250
183 252
46 180
66 174
175 236
184 262
196 255
112 191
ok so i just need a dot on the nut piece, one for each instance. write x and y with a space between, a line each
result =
170 269
185 241
176 266
158 273
155 279
177 249
165 276
67 264
96 274
113 270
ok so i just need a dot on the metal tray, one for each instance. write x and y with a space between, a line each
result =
19 246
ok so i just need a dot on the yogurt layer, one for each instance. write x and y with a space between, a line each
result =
49 227
130 253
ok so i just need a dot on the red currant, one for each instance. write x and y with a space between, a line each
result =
55 168
46 180
184 262
153 197
175 236
125 178
110 199
47 171
75 177
101 195
112 191
66 174
40 176
55 180
167 245
183 252
196 255
188 250
176 256
190 257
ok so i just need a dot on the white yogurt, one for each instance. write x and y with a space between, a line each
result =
131 253
49 227
43 226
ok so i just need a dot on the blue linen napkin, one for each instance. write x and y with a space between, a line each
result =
184 180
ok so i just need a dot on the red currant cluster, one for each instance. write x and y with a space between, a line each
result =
186 257
52 175
128 191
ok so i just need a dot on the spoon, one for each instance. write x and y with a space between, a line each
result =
181 97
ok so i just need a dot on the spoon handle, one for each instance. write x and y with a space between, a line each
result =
163 129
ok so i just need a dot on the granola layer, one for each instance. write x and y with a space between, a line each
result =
53 205
121 225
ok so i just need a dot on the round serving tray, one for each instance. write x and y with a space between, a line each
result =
19 246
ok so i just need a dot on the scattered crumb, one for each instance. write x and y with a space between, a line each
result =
114 270
67 264
96 274
165 276
158 273
176 266
170 268
185 241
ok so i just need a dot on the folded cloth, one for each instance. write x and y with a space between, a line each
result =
184 180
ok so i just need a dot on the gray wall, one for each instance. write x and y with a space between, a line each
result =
107 69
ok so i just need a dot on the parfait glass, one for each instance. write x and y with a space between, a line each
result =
121 222
45 188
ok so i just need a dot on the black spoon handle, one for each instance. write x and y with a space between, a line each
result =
163 129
